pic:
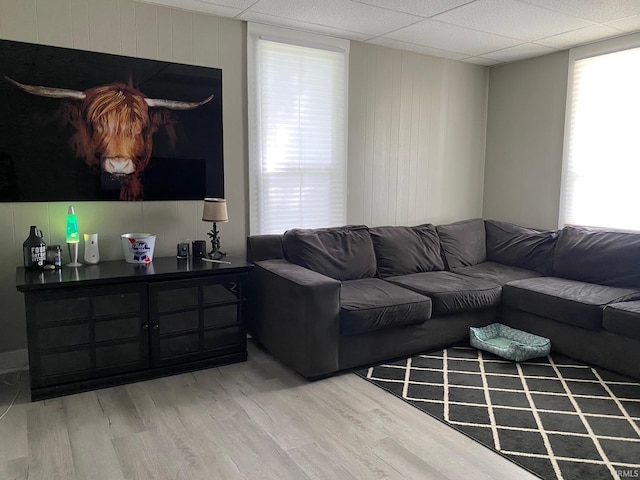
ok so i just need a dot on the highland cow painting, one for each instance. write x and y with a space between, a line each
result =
77 125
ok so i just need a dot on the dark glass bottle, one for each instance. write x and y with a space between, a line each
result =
34 250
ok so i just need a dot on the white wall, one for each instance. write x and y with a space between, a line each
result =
127 28
525 134
416 137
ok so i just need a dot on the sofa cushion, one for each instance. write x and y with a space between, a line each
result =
496 272
450 292
463 243
264 247
403 250
520 247
594 255
373 304
623 318
568 301
343 253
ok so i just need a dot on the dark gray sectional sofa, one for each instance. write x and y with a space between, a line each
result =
327 300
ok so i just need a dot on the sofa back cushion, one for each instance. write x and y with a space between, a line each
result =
463 243
264 247
404 250
522 247
343 253
607 257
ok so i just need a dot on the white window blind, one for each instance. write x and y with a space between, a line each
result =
602 151
297 156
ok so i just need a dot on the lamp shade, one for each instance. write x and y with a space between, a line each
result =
215 210
73 233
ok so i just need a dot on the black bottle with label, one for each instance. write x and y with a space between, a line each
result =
34 250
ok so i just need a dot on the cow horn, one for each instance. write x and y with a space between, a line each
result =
49 91
175 104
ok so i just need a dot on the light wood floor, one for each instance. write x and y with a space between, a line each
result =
251 420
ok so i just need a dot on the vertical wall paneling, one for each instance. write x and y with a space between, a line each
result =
189 218
10 255
80 24
104 26
127 28
462 147
161 218
416 140
437 172
205 34
146 17
182 36
404 142
423 91
233 61
357 135
525 135
54 22
381 136
18 20
164 33
394 138
369 120
415 194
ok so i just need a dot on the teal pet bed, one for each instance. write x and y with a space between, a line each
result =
509 343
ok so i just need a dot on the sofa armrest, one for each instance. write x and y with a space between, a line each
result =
295 315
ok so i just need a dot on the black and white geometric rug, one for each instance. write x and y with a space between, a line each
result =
554 416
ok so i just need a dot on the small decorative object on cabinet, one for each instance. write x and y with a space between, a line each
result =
138 247
91 252
116 323
73 237
34 250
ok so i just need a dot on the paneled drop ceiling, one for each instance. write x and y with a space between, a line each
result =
485 32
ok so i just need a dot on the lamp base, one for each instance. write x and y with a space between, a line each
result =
73 255
215 253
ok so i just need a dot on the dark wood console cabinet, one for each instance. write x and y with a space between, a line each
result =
112 323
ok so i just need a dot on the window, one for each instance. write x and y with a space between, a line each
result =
297 129
602 148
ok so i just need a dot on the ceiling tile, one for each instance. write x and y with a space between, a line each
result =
417 7
304 26
412 47
487 62
451 38
475 31
511 19
629 24
579 37
200 6
345 15
600 11
519 52
241 4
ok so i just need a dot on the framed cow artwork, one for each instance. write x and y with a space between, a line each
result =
78 125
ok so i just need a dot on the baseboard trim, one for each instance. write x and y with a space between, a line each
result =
14 360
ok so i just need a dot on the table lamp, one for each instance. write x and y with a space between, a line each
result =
73 237
215 210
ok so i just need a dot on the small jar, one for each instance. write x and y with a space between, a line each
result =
54 255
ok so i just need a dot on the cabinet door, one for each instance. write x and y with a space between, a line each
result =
86 333
196 319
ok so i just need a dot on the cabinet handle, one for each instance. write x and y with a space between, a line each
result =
156 326
145 326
